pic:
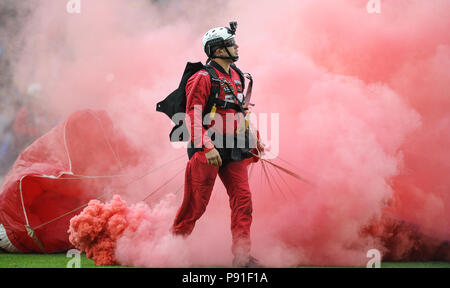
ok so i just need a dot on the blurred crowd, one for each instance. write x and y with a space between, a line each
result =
22 120
22 117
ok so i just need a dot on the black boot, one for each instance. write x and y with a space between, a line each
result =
246 261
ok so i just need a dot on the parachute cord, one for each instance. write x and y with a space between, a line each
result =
164 184
59 217
179 189
276 182
74 210
107 141
263 165
32 234
285 170
23 203
66 147
284 181
105 194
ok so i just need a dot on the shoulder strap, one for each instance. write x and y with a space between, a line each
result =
241 75
215 89
248 95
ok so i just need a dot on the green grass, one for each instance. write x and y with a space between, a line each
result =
415 265
42 261
60 261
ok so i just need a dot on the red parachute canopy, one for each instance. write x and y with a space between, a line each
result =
75 162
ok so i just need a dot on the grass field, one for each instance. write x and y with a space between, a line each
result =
60 261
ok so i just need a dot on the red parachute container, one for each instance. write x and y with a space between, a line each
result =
75 162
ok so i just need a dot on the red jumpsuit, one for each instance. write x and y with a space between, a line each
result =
200 176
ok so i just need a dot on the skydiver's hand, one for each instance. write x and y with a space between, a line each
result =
261 147
213 158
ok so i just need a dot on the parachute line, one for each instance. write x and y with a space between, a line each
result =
99 197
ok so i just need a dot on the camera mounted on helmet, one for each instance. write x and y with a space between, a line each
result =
233 27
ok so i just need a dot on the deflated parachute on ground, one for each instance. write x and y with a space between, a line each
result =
75 162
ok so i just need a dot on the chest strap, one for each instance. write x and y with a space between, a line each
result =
229 105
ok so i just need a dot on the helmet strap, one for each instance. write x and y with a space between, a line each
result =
233 58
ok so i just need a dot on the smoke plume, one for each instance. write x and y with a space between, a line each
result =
362 100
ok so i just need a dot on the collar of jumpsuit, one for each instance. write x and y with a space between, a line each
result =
220 68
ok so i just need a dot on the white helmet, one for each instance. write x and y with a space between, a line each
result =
216 37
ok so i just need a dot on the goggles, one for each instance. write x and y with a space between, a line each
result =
230 43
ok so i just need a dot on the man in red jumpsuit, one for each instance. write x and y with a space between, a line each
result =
207 162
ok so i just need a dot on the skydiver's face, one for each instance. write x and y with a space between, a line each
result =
232 48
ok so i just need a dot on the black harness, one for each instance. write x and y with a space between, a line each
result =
176 103
215 91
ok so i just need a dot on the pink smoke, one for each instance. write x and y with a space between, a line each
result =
105 231
363 107
96 230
